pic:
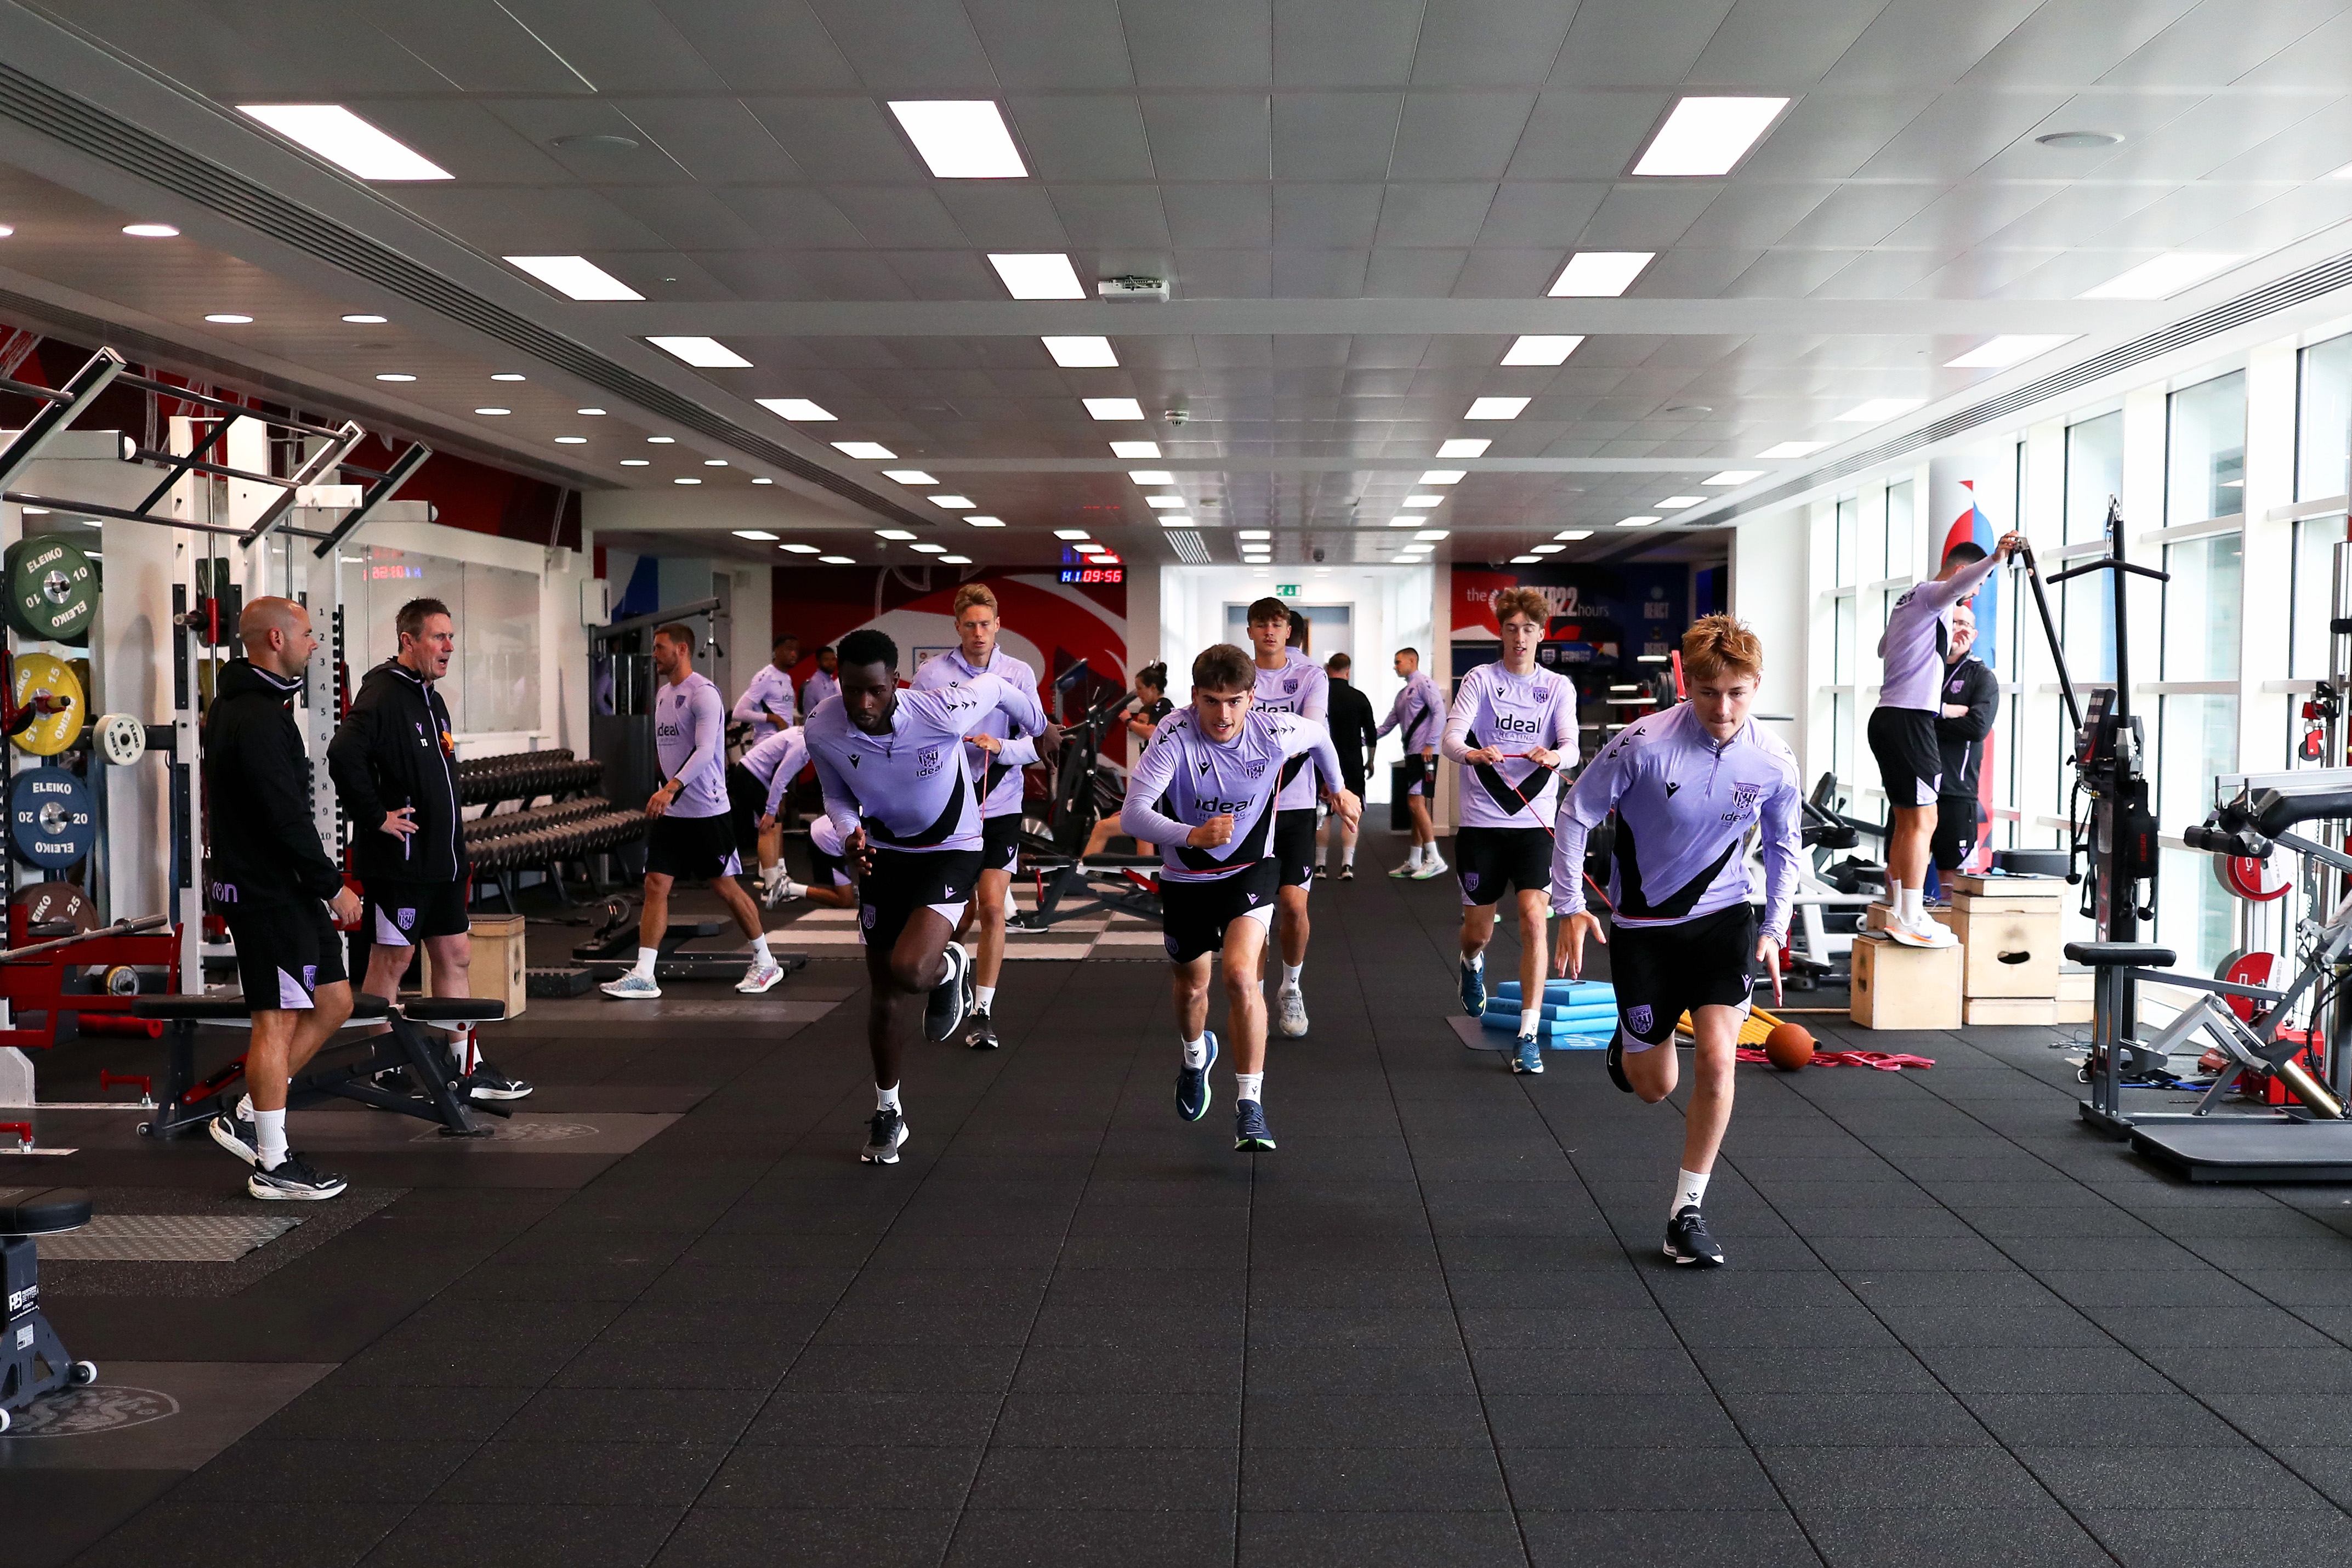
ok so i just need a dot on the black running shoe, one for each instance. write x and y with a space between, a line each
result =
486 1082
1193 1083
1251 1135
1347 873
1617 1066
1687 1241
235 1134
294 1180
951 997
979 1034
1320 872
885 1134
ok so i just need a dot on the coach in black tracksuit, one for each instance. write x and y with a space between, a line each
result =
394 763
1966 705
1355 734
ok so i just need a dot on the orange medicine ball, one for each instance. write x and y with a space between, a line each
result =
1790 1047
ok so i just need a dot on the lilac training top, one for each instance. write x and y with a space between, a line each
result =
1918 631
1513 714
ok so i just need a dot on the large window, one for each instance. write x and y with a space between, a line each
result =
2323 420
492 686
2201 608
2205 450
1901 530
2095 475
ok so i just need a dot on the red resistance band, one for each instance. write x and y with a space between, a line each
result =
1885 1061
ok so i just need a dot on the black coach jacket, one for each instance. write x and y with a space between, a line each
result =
395 749
263 846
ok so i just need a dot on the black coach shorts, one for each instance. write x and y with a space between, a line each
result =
696 848
1193 915
1000 842
284 952
1490 861
1959 820
1910 764
902 882
1663 972
402 914
1294 845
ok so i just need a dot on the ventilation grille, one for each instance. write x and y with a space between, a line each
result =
1190 547
62 117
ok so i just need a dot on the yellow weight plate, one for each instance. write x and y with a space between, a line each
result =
51 684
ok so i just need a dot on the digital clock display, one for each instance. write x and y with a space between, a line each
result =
1094 573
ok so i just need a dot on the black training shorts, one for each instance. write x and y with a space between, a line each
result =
694 848
903 882
1416 774
284 952
1663 972
1000 842
1294 845
402 914
1910 764
747 800
1193 915
1959 820
1490 861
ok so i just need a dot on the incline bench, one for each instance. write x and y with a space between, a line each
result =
187 1102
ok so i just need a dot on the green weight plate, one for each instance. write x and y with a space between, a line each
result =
52 588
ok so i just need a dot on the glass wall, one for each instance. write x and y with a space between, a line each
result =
2200 609
2205 451
2323 420
2095 475
492 686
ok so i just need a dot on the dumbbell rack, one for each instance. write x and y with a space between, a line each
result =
577 826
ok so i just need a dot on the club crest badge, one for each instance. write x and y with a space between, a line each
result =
1639 1020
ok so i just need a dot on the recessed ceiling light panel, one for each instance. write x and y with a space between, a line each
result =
1132 449
1792 450
1733 476
797 409
2164 276
1498 407
1037 275
1536 350
1081 354
703 353
873 450
1119 407
1464 446
907 476
960 139
346 141
2009 348
574 277
1704 136
1600 274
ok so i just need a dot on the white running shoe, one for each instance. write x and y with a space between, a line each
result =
783 890
1922 932
632 987
1411 867
1434 865
761 978
1290 1010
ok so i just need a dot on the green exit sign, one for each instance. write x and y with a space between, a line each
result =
1287 590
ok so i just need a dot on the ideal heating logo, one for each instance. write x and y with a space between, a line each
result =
1512 724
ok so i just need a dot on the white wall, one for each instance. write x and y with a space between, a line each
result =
1769 592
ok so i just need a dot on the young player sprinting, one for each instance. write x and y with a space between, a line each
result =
1205 792
894 769
1512 728
1288 682
1687 785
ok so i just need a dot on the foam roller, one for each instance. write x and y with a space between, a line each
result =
1562 992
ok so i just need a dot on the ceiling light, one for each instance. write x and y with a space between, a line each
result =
763 479
794 408
892 533
799 549
1080 353
1573 534
1114 408
572 440
1792 450
1037 275
150 230
1175 520
574 277
1423 501
905 476
1496 408
661 440
1542 350
346 141
1525 560
689 480
1151 476
837 559
592 413
960 139
1441 477
1642 522
751 534
1135 449
1407 520
394 375
1600 274
495 376
714 462
228 318
494 411
953 503
1733 476
874 450
1089 547
2009 348
1873 410
1255 533
985 522
1164 500
1549 549
2070 140
1429 533
635 463
1679 500
1070 533
928 549
367 320
703 353
2162 276
1464 446
955 560
1708 135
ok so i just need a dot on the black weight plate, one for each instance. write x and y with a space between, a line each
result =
50 823
46 902
52 588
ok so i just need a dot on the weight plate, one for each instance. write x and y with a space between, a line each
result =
2265 969
50 823
52 588
2243 877
44 902
121 740
51 683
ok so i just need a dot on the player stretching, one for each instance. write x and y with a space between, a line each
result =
1205 792
1290 682
1687 785
898 760
1420 710
1511 726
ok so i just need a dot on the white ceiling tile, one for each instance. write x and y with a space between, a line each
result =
1344 43
1063 45
504 221
480 49
1115 218
1220 217
1859 215
1586 135
1084 137
1459 135
621 46
790 215
897 218
1502 272
1540 214
760 46
1828 134
1753 216
1959 130
1439 215
804 275
2074 40
1004 215
1333 135
2317 144
1928 41
1617 42
1972 213
716 140
1326 215
334 54
844 138
687 216
1488 42
1211 137
1226 274
477 141
909 48
1204 42
1646 216
1782 44
1419 274
2220 41
2315 60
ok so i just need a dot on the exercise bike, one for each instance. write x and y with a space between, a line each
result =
1084 790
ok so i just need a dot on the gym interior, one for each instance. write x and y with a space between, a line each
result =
549 370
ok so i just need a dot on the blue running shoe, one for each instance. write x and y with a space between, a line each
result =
1474 989
1193 1083
1251 1135
1530 1055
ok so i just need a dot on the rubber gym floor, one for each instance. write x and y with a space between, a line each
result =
1434 1328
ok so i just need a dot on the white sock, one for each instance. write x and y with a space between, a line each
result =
1196 1052
646 956
1347 854
1414 859
982 995
1907 903
761 956
886 1098
269 1138
773 872
1477 961
1690 1188
1250 1086
1528 1018
1290 973
461 1051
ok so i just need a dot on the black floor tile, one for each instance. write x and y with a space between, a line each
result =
1017 1538
1687 1480
1932 1537
842 1477
1899 1477
566 1536
2225 1538
1096 1480
1755 1538
1380 1540
1460 1480
1275 1420
53 1515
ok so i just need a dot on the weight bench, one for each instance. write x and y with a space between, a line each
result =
187 1102
32 1361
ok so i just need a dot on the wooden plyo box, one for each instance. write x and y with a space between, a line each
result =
2075 1001
2042 1010
2008 886
2011 945
1899 987
497 966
